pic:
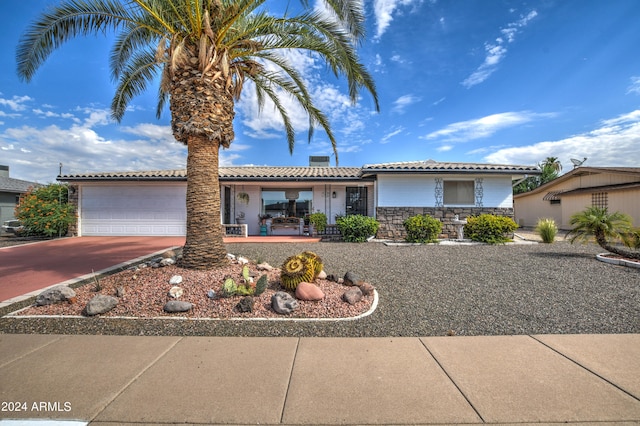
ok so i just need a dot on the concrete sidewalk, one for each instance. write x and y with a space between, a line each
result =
217 380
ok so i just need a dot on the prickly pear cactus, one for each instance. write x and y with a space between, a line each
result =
295 270
261 285
229 288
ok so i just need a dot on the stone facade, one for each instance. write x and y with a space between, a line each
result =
391 218
73 200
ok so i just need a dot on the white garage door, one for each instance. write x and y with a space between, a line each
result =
133 210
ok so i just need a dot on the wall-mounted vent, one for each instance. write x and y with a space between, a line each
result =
318 161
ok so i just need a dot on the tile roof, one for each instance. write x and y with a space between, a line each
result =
248 173
430 166
16 186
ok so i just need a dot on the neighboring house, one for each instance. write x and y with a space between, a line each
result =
153 203
10 191
616 188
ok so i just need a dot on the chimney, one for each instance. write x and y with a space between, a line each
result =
4 171
318 161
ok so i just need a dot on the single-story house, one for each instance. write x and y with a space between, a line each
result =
153 202
616 188
10 191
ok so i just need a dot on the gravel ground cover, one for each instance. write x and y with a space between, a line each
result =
428 290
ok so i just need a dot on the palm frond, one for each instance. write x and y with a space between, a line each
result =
140 70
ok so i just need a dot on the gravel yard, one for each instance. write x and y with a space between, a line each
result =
428 291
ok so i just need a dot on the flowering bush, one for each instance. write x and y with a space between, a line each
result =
46 211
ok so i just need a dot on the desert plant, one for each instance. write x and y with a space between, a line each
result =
489 228
357 228
319 221
315 260
422 228
632 239
45 211
229 288
261 285
598 223
296 269
547 230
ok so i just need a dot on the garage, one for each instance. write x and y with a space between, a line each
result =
121 210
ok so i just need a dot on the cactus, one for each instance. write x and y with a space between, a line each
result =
295 270
245 274
261 285
229 288
315 260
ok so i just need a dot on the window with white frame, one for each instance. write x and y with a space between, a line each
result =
458 192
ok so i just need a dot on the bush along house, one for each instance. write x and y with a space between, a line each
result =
269 199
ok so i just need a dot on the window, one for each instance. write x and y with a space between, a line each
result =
287 202
556 201
459 192
600 200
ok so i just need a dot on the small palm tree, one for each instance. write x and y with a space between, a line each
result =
598 223
204 51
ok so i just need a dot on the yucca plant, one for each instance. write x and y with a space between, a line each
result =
547 230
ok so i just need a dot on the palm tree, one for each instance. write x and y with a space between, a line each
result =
599 223
553 163
204 52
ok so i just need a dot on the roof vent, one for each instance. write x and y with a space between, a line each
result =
318 161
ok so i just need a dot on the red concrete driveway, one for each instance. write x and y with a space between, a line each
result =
31 267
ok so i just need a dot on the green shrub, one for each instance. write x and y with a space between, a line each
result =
488 228
422 229
45 210
357 228
319 221
547 230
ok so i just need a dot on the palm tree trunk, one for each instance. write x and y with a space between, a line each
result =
602 242
204 247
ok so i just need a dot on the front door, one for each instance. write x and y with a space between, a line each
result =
356 200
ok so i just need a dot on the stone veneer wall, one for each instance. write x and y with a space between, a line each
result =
73 200
391 218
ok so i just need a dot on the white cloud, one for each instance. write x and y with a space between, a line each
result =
392 133
384 11
35 152
464 131
16 103
612 143
495 52
404 101
635 85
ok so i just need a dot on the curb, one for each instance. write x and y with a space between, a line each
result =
603 257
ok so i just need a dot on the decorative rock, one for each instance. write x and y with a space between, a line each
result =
245 304
366 288
177 306
352 296
100 304
176 292
308 291
283 303
211 294
242 260
350 279
57 294
231 256
264 267
333 278
167 262
169 254
322 275
175 280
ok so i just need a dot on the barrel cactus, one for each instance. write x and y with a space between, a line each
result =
315 260
295 270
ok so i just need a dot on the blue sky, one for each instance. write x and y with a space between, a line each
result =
491 81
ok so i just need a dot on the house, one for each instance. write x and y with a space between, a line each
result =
616 188
153 202
10 191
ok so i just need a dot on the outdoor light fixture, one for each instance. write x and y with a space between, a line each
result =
334 195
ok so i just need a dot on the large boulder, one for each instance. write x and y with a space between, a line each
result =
57 294
283 303
100 304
